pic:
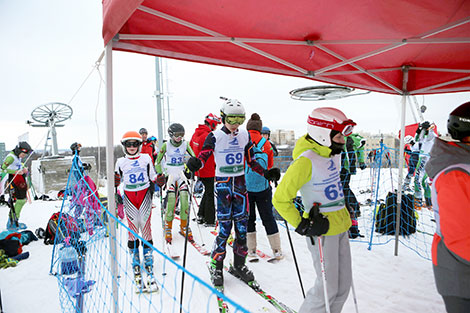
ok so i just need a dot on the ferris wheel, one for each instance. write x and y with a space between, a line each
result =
49 115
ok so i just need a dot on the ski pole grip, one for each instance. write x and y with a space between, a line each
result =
315 211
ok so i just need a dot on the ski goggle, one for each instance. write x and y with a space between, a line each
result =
178 135
345 128
235 119
129 144
25 150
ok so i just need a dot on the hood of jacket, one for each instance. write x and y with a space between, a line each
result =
306 143
446 153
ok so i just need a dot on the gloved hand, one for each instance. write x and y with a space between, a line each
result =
316 226
352 169
362 166
194 164
117 179
119 198
188 173
161 180
273 174
353 231
425 125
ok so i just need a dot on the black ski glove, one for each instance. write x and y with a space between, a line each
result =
362 166
194 164
316 225
273 174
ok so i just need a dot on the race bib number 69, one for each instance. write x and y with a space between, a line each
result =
333 191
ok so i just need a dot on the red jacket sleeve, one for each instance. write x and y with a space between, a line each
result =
453 197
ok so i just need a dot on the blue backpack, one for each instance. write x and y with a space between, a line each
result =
254 181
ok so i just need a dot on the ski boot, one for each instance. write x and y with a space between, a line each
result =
240 270
418 203
168 226
428 203
136 267
215 270
15 225
251 243
406 185
151 283
183 225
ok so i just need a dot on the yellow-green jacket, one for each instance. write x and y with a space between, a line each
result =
300 173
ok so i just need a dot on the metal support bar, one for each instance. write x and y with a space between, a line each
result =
110 174
400 155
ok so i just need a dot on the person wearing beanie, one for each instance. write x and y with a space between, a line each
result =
260 193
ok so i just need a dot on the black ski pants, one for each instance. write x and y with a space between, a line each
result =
263 201
207 206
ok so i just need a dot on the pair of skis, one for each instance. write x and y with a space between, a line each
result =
278 305
170 251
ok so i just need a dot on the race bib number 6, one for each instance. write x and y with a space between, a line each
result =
333 191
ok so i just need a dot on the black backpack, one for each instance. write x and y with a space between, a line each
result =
385 222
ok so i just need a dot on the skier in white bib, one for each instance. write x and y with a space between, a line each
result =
315 172
174 151
231 146
136 172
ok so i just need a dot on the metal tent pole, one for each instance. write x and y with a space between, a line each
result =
110 172
159 96
400 155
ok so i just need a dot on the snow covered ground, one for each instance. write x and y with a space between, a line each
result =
383 282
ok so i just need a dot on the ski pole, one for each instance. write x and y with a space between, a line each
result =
186 244
354 296
295 259
316 212
323 274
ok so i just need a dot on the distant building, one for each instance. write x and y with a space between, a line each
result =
283 137
3 152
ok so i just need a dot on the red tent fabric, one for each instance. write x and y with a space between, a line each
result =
362 44
411 130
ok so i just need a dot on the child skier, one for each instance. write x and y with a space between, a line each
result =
316 173
16 182
136 171
231 146
174 152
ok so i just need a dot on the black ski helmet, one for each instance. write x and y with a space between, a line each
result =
143 131
22 146
176 130
458 124
75 147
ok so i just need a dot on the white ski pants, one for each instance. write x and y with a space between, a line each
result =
337 262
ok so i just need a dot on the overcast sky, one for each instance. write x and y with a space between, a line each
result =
50 46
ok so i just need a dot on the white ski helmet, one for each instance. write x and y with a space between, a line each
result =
324 120
408 139
232 107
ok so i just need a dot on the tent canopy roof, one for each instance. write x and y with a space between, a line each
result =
389 46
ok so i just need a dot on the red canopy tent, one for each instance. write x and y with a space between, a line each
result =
363 44
398 47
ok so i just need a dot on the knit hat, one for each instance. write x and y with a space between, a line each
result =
254 123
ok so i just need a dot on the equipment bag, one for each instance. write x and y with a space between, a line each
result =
254 181
68 227
385 222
